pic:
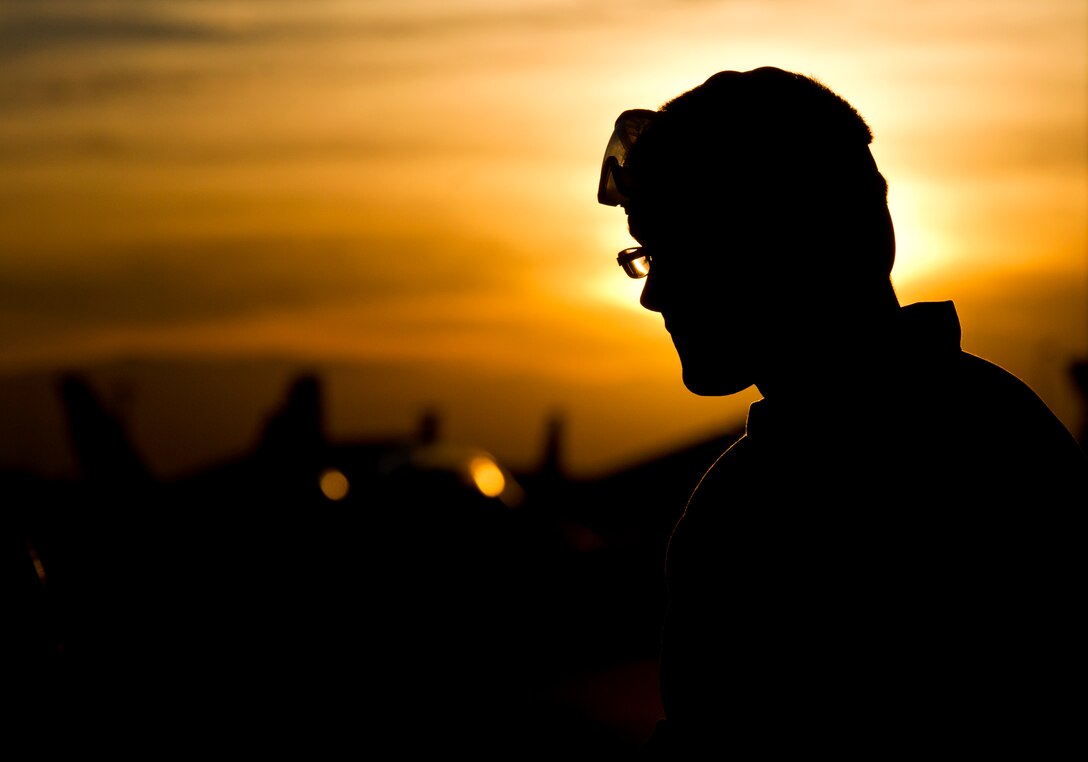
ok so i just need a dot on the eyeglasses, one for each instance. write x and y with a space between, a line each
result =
635 261
614 188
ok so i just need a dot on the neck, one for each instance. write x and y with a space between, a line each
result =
832 350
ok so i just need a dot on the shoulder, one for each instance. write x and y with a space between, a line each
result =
716 495
998 396
727 473
995 414
981 374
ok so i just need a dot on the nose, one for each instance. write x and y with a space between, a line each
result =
651 293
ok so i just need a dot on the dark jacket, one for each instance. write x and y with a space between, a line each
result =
898 570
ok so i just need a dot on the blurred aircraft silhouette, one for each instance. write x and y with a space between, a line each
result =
442 587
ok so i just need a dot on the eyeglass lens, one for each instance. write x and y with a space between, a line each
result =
635 262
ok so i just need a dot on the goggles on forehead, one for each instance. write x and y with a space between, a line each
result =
615 186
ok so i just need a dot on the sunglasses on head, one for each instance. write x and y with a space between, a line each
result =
615 185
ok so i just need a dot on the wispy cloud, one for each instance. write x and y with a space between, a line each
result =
163 282
182 166
31 27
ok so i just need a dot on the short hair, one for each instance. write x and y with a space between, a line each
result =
767 140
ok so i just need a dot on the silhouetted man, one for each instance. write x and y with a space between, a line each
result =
889 560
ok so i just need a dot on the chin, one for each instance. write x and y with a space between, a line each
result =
713 384
712 370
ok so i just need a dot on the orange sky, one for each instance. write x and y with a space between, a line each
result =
409 185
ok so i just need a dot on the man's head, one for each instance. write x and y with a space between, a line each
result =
764 217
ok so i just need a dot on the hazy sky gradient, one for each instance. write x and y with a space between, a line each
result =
410 185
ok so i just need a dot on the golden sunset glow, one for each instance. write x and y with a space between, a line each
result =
408 188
